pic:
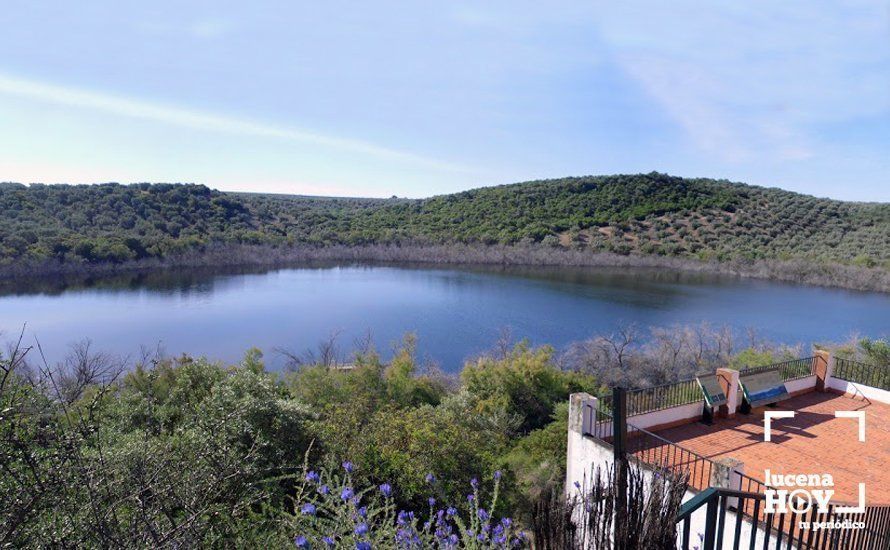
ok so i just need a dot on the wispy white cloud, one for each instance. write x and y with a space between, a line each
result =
200 120
749 82
685 93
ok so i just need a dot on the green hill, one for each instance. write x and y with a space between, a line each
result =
646 214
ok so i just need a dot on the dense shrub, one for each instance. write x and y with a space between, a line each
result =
525 384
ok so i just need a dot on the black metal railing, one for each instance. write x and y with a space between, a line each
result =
875 376
750 485
674 394
739 519
658 452
661 397
657 398
788 370
648 448
601 425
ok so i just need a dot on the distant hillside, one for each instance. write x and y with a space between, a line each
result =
650 214
646 214
116 223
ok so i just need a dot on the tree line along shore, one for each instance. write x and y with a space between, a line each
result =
263 257
645 220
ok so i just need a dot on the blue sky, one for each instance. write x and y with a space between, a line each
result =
422 98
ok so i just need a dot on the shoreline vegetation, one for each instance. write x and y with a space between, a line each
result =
797 271
638 220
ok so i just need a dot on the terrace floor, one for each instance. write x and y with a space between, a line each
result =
814 442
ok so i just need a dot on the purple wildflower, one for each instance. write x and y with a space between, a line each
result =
308 509
301 542
361 529
346 494
312 477
403 535
386 489
348 467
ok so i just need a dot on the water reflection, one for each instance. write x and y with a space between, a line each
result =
454 312
174 280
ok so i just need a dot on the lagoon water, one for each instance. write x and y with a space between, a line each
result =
455 312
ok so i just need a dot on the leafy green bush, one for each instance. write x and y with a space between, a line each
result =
751 357
525 384
876 352
181 454
537 463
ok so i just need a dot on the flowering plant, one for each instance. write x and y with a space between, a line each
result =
332 513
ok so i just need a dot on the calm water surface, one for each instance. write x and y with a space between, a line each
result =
455 313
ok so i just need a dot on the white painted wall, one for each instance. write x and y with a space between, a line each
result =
691 412
585 455
801 384
859 390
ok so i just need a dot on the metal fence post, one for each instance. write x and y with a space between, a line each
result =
619 446
711 525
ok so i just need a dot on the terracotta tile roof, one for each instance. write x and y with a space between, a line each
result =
814 442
